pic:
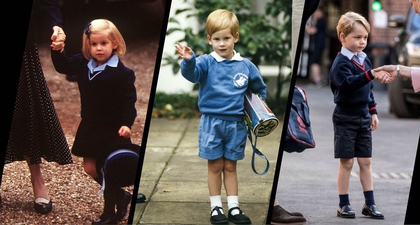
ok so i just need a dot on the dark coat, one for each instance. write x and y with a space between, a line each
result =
107 103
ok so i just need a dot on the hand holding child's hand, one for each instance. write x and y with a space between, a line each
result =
125 131
382 76
58 38
184 51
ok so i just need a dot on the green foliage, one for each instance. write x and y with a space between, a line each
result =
175 105
264 38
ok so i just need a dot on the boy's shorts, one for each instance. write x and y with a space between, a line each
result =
352 136
221 138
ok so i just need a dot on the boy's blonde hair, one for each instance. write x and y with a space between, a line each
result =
106 27
346 23
221 19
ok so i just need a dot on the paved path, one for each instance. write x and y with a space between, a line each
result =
174 178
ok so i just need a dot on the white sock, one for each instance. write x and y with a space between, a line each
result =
215 201
232 202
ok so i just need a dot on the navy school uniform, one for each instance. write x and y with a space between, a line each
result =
107 103
351 84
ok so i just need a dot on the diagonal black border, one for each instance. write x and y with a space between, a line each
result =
168 4
411 216
308 9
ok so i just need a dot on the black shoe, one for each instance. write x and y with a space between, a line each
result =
106 219
141 198
372 212
218 218
238 218
345 212
43 206
122 205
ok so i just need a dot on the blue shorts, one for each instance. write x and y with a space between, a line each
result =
221 138
352 136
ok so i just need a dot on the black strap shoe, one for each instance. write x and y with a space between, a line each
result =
217 216
238 218
372 212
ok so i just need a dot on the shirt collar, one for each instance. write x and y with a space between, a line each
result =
350 55
112 62
236 56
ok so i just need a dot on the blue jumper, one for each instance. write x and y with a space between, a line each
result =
223 83
351 83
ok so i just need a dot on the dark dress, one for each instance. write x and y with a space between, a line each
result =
35 130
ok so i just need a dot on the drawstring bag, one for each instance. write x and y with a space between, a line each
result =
299 133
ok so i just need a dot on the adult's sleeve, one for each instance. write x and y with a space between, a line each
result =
415 78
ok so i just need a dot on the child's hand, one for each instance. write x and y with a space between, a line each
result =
382 76
125 131
184 51
58 38
375 122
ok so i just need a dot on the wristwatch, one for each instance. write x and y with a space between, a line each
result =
398 71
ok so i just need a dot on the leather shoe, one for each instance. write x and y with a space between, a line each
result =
372 212
43 206
292 213
141 198
106 219
345 212
281 216
217 216
122 205
239 218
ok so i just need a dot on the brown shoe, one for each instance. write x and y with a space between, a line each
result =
281 216
291 213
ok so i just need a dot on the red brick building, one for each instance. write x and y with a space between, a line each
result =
382 33
391 7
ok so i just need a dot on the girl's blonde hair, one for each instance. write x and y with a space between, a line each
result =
346 23
221 19
106 27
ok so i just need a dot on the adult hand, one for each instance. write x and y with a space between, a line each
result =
184 51
58 38
385 74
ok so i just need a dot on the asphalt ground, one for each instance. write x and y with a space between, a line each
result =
307 181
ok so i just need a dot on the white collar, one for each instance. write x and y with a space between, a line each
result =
236 56
349 54
112 62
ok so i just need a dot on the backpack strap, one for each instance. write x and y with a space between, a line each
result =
258 152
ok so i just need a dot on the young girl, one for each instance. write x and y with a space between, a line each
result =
108 97
224 77
355 115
